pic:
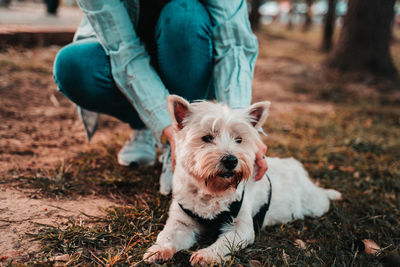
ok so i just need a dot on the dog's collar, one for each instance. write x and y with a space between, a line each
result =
213 226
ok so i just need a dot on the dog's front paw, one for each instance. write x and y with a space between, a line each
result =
205 256
158 253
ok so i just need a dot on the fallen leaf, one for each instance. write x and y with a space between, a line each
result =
300 244
370 246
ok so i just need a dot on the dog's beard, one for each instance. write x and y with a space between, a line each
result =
215 178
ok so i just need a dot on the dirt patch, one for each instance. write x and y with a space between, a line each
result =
21 215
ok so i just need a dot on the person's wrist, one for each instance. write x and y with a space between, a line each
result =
166 134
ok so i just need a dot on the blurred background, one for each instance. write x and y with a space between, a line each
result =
52 22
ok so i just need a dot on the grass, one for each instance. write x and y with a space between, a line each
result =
117 238
355 149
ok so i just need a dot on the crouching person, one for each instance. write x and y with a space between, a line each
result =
128 56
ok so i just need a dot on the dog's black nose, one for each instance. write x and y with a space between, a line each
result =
229 162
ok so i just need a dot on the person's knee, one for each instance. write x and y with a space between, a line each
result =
65 68
79 67
184 20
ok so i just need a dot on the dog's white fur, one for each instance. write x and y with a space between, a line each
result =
200 183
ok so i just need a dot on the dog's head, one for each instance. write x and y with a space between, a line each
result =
215 144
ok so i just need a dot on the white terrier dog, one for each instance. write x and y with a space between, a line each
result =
214 192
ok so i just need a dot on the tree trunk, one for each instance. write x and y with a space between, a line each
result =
365 38
308 21
254 15
290 17
329 26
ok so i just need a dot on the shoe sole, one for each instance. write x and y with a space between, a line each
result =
135 164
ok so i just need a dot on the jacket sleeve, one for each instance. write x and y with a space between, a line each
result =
236 50
130 62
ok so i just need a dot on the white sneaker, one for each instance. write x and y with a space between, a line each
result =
166 172
138 150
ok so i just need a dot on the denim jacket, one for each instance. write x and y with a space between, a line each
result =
113 22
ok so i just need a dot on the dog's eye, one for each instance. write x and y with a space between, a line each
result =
207 138
238 140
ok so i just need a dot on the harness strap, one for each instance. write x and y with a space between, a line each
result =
222 218
258 219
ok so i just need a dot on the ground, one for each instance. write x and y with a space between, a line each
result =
66 201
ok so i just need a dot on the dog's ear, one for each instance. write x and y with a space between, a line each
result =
179 109
258 112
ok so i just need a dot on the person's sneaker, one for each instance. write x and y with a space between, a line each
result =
166 172
139 150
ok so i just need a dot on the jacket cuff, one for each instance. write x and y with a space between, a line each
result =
158 121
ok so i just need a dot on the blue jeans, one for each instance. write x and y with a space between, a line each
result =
184 62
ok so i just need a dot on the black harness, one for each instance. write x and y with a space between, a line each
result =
258 219
213 226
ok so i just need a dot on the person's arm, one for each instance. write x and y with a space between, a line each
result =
235 52
130 62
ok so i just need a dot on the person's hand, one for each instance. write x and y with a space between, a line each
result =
261 162
169 133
